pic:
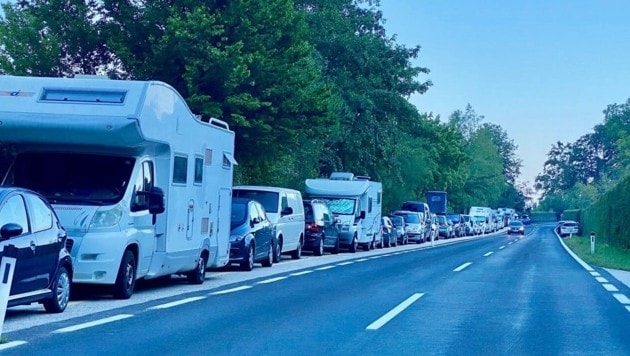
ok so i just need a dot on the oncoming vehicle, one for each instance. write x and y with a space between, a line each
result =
516 227
43 268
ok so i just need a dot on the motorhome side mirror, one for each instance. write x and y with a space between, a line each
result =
10 230
287 211
156 201
362 216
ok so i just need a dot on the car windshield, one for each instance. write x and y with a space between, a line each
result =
239 214
516 224
411 218
571 224
397 221
453 217
269 200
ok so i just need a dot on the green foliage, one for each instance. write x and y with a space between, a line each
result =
572 214
543 216
606 255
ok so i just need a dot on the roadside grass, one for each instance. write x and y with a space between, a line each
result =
605 255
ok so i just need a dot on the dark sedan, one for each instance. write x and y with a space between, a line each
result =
251 235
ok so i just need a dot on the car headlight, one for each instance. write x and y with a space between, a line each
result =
107 218
236 238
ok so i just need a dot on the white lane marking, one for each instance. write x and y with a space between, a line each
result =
375 257
11 344
609 287
176 303
628 309
345 263
575 257
392 313
300 273
325 268
232 290
93 323
595 274
488 254
621 298
361 260
271 280
462 266
601 279
511 242
501 248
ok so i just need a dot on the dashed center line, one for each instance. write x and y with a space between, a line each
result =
511 242
325 268
621 298
93 323
462 266
392 313
609 287
300 273
176 303
501 248
232 290
271 280
488 254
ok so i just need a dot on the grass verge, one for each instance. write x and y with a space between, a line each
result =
605 255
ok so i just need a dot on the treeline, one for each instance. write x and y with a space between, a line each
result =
576 174
309 87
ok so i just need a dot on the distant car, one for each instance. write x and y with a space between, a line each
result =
251 235
390 234
458 224
413 225
320 228
569 228
43 267
445 227
525 219
516 227
399 224
468 225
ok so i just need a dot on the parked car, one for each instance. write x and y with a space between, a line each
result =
321 228
399 225
468 225
516 227
568 228
425 216
390 234
43 267
285 211
414 226
458 223
251 235
445 227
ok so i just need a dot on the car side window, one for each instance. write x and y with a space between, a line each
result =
41 215
262 216
14 211
253 212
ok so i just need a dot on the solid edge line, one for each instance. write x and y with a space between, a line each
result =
11 344
93 323
575 257
237 289
460 268
300 273
392 313
176 303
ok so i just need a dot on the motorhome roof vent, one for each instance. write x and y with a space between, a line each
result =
362 178
83 96
341 176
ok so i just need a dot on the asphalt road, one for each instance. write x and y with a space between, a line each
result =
491 295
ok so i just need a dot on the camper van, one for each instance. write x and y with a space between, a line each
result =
484 217
356 202
141 184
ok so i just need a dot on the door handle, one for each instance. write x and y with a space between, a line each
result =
33 246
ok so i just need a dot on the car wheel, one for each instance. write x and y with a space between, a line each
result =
126 278
268 262
354 245
248 263
277 252
61 292
297 254
198 275
319 249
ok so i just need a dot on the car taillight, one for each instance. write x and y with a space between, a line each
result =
312 227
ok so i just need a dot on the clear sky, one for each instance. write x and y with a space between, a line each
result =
542 70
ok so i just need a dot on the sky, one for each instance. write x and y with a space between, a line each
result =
542 70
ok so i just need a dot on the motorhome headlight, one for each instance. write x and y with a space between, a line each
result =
107 218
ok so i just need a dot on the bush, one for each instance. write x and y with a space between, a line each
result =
608 217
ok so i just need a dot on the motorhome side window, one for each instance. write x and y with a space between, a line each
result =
144 183
370 205
198 170
180 169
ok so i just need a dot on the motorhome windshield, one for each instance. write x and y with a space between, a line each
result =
269 200
480 219
341 206
71 178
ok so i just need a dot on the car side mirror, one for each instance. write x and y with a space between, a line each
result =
287 211
254 221
10 230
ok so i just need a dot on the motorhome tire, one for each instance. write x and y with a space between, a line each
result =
126 279
277 250
269 261
319 249
248 263
61 292
198 275
297 253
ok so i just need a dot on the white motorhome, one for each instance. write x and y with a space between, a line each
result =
356 202
140 183
484 216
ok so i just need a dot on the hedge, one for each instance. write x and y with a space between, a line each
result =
609 217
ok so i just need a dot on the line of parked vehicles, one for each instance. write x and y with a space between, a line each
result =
120 181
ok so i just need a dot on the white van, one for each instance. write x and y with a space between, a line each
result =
285 210
140 183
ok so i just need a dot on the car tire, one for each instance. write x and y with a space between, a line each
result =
277 251
354 245
126 278
268 262
61 292
198 275
248 263
297 253
319 249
